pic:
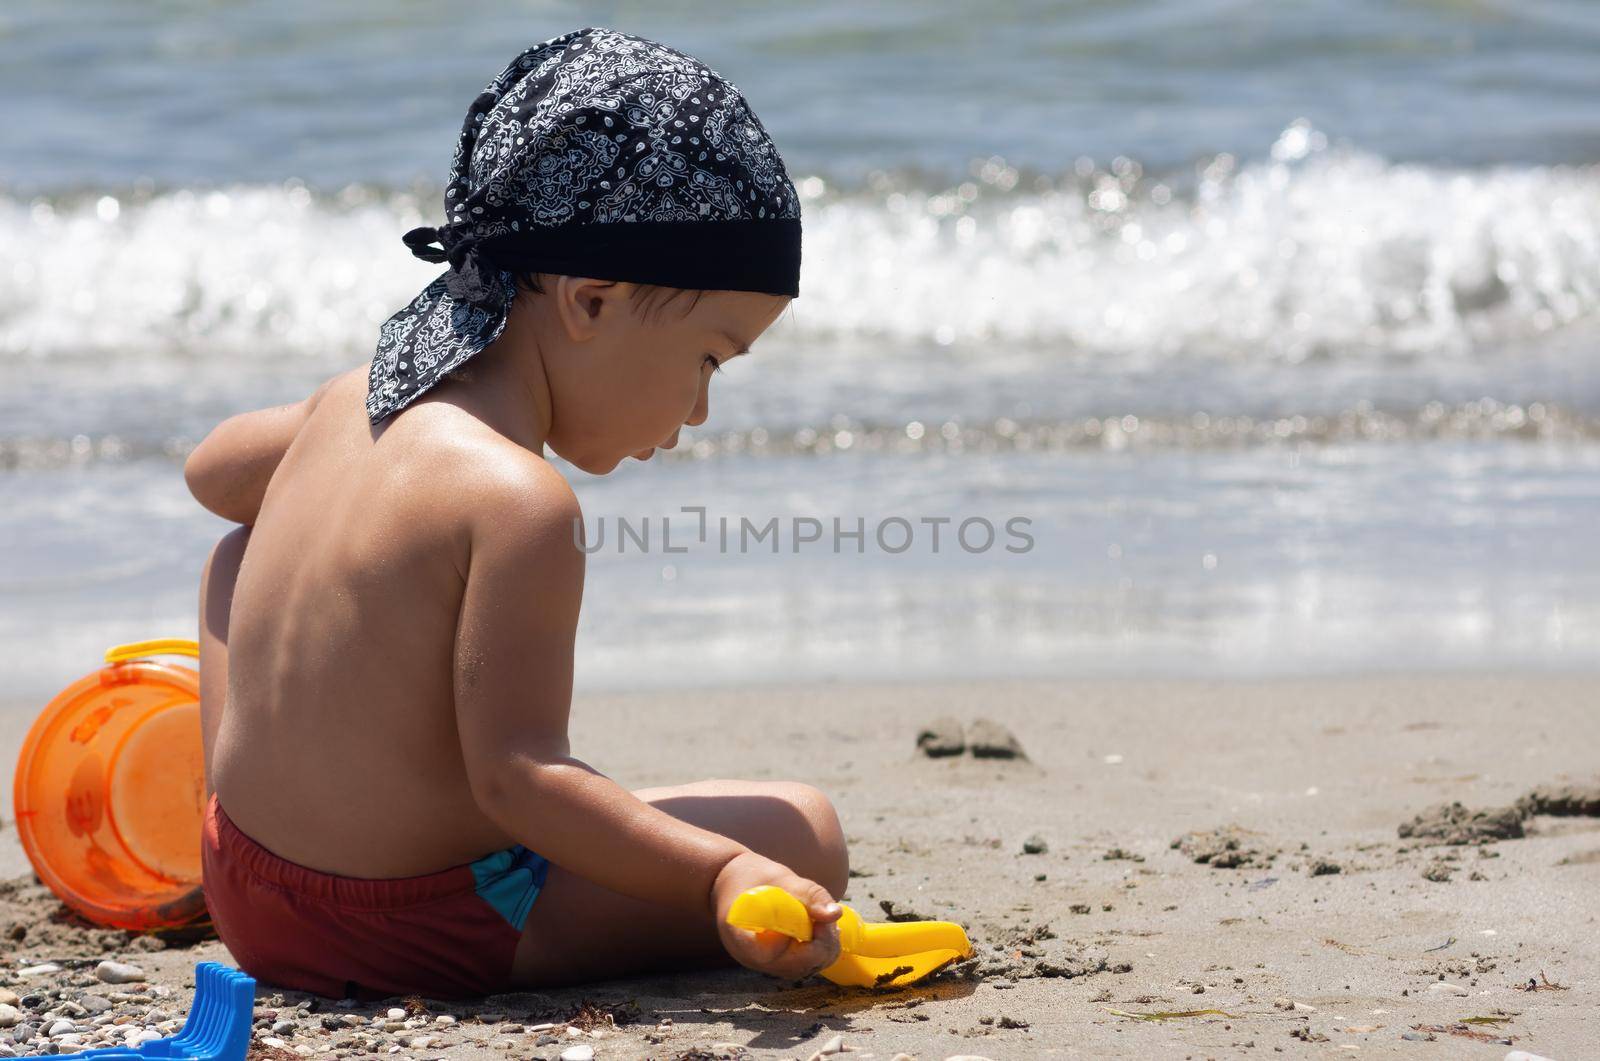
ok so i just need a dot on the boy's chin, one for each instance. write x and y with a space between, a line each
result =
595 465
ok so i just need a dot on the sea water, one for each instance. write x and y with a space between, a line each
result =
1195 337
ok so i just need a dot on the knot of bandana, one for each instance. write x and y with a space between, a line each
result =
471 278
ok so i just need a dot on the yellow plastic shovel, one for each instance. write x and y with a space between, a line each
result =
897 953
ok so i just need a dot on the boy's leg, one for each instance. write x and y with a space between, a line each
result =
578 931
216 601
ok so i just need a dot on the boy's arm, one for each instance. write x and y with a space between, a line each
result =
513 687
229 470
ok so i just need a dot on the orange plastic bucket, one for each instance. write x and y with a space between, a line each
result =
110 791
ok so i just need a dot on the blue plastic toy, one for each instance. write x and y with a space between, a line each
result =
217 1028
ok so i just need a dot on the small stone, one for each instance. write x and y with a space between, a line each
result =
534 1029
397 1014
283 1027
43 969
7 1050
118 973
1438 872
444 1018
95 1004
1323 867
8 997
987 739
9 1015
940 738
1035 845
1302 1007
583 1052
60 1028
1416 1037
421 1042
1443 988
1198 989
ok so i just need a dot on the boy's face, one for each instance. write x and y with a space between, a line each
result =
637 374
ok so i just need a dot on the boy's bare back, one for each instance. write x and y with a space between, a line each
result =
338 747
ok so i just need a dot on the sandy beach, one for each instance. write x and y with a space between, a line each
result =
1313 928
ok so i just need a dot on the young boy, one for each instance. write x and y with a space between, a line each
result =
386 645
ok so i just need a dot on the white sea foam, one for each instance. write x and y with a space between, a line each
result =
1312 253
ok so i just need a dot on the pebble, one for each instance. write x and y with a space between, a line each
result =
7 1050
535 1028
1416 1037
397 1014
95 1003
444 1018
60 1028
8 997
283 1027
9 1014
143 1035
1035 845
421 1042
578 1053
44 969
988 739
1442 988
118 972
940 738
832 1046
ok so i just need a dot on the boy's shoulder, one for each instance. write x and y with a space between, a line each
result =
492 486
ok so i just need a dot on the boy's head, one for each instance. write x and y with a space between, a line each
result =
633 188
627 365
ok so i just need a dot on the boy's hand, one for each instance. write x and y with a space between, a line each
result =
772 952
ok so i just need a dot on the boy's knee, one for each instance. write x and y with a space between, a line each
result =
217 580
831 859
227 554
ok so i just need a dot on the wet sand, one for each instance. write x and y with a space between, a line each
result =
1311 925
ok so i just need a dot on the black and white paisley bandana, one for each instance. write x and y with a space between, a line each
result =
594 154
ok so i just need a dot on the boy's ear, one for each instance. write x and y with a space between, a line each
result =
586 306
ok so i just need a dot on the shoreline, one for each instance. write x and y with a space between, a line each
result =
1299 774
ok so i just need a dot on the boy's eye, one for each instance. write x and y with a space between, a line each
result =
715 365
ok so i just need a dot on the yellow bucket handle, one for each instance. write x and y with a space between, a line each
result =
164 646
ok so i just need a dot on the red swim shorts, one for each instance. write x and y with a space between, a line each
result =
449 934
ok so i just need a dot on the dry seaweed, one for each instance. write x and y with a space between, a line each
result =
1172 1014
